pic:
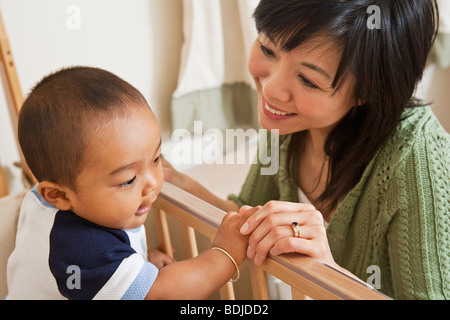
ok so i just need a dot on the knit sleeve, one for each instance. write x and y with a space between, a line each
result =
419 232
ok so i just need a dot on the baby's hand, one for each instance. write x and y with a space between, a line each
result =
158 258
229 237
244 210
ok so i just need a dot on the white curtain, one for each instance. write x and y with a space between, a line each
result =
444 8
214 85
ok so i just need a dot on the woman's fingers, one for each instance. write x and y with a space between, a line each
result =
269 225
272 207
270 230
282 240
313 242
273 221
259 251
292 244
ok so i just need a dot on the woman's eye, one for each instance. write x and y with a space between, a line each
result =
129 183
308 83
157 159
267 52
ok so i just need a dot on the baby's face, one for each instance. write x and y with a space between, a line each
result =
123 175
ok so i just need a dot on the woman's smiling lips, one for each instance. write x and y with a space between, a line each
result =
274 113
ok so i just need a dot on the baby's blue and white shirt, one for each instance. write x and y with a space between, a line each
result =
59 255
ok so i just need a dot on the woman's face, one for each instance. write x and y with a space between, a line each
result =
295 88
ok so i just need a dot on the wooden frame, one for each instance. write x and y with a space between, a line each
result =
306 276
14 97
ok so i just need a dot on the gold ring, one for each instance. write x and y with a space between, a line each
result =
296 228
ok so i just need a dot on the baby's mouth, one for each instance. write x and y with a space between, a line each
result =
144 210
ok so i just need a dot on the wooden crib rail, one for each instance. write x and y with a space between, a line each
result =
306 276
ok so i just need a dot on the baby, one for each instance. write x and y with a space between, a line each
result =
94 145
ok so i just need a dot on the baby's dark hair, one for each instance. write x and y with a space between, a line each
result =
60 113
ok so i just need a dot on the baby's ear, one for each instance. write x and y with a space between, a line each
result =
55 194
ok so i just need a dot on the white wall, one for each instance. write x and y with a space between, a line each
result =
434 88
139 40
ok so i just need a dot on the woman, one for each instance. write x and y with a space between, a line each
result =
364 167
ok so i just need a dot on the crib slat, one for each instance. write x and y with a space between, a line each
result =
189 241
3 185
227 292
297 294
12 78
162 231
259 283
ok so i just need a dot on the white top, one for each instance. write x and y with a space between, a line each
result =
302 198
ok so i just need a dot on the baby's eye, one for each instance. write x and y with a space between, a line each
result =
129 183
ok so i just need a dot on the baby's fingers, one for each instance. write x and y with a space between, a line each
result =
246 212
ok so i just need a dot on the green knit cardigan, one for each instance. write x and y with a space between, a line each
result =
396 218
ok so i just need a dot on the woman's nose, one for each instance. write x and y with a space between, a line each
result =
275 87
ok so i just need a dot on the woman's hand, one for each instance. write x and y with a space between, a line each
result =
175 177
270 230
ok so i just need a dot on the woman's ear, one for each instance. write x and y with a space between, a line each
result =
55 194
360 103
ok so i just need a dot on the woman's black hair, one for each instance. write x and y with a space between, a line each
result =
386 59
